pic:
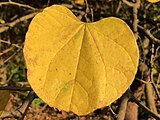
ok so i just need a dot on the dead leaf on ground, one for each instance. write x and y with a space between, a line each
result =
4 97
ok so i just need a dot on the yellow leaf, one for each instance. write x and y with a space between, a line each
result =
153 1
77 66
2 21
79 2
4 97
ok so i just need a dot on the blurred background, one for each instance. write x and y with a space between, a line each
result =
15 17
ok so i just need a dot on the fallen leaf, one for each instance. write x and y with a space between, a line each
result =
4 97
153 1
79 2
76 66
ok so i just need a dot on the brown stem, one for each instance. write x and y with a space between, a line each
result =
6 26
149 35
15 88
21 112
17 4
138 102
123 105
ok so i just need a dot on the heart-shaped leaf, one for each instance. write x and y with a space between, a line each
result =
77 66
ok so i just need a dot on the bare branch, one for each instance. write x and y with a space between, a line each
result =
123 106
138 102
7 42
17 4
6 50
87 11
6 26
23 109
149 35
21 112
143 81
119 7
9 58
130 4
15 88
135 18
114 114
156 90
151 74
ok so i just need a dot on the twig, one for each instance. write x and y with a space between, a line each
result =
9 58
158 80
6 26
23 109
12 44
22 83
135 7
6 50
21 112
119 7
123 106
92 14
48 1
87 11
149 88
138 102
115 115
69 6
149 35
143 81
151 72
17 4
135 18
156 90
157 53
42 109
15 88
10 78
130 4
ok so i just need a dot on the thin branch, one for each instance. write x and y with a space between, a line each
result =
42 109
149 35
143 81
9 58
92 14
151 72
17 4
48 2
21 112
156 90
23 109
10 78
7 42
6 26
119 7
15 88
135 18
130 4
115 115
87 11
22 84
6 50
158 81
123 106
146 109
